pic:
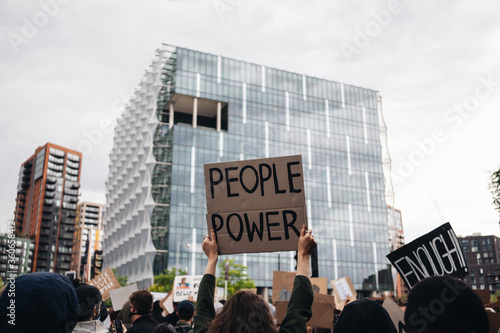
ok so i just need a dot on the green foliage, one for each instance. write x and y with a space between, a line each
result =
1 283
495 188
164 282
122 279
237 277
496 296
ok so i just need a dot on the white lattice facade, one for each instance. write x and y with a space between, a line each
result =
128 245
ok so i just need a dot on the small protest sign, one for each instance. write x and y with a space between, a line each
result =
186 286
105 282
323 308
433 254
397 315
484 295
494 319
283 285
344 292
167 304
120 296
256 205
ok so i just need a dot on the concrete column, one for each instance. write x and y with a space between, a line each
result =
195 112
171 115
219 120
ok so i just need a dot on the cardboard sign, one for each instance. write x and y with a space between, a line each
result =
344 292
484 295
186 286
494 319
433 254
256 205
323 308
167 304
105 282
283 285
397 315
120 296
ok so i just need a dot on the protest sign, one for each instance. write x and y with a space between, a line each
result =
167 304
256 205
323 308
433 254
120 296
283 285
397 315
186 286
105 282
494 319
484 295
344 292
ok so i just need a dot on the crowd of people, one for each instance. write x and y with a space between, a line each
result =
48 302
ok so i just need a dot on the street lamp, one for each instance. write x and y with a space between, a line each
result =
187 245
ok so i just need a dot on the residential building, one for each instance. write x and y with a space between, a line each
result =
47 194
15 256
482 254
194 108
88 239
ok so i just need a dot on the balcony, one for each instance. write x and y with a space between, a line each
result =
50 194
47 217
75 186
49 187
49 202
51 180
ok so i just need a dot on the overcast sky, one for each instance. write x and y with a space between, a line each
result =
66 67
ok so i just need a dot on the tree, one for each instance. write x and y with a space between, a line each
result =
495 188
237 277
122 279
164 282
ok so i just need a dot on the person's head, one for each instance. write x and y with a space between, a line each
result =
185 310
444 304
244 312
164 328
141 303
362 316
44 302
89 298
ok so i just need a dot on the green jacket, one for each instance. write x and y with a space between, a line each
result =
297 313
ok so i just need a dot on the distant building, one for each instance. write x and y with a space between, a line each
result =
47 194
88 239
15 256
482 254
397 240
193 108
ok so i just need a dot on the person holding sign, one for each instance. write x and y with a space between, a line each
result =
246 311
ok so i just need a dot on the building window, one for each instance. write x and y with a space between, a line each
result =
465 245
474 245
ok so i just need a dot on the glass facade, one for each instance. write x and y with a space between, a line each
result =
224 110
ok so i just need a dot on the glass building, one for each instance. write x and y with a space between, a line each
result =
194 108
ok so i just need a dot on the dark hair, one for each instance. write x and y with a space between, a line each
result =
444 304
164 328
243 312
142 300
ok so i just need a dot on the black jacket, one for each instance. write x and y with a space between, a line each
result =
144 324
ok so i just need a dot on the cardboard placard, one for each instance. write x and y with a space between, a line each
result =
435 253
319 285
323 310
283 285
484 295
186 286
396 313
494 319
105 282
256 205
344 292
120 296
167 304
